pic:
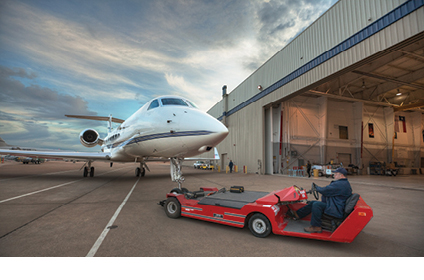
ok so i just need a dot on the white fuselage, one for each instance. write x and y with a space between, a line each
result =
164 130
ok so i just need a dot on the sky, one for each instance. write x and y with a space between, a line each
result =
111 57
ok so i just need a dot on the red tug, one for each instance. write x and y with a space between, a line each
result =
266 212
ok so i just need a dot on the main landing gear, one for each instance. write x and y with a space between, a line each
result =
141 171
88 170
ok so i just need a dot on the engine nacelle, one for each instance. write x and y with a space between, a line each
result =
90 138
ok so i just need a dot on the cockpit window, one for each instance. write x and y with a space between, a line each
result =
173 101
192 104
154 104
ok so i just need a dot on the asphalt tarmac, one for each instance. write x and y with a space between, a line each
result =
50 210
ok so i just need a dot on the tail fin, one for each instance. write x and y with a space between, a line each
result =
216 154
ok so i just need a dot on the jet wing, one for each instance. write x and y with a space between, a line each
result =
58 154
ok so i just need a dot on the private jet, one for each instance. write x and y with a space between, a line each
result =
165 128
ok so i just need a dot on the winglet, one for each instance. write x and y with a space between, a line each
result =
216 154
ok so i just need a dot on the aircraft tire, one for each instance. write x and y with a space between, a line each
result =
92 172
137 172
85 171
143 172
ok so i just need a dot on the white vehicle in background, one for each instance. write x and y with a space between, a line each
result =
325 170
198 164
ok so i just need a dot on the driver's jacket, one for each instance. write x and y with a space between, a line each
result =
335 196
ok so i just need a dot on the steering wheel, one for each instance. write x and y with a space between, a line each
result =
314 191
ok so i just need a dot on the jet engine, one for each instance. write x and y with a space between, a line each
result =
90 138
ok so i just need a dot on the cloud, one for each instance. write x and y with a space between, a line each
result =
30 115
70 49
36 101
17 72
280 21
188 90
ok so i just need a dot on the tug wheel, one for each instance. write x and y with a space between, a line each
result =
259 225
172 208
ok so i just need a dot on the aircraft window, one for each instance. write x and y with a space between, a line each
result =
173 101
154 104
192 104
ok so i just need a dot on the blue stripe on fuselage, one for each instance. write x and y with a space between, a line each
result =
161 135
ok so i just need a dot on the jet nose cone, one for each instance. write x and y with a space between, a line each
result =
224 131
213 130
220 130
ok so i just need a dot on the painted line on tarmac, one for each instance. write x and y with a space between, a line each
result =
59 172
54 187
102 236
39 175
43 190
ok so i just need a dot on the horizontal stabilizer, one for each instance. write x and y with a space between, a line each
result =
96 118
215 157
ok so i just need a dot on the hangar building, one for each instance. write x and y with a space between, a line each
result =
349 89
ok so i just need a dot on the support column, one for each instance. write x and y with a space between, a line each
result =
268 141
285 133
323 128
276 125
416 134
358 108
224 104
389 116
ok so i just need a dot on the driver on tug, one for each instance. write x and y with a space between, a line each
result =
333 202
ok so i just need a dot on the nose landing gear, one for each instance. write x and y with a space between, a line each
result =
176 171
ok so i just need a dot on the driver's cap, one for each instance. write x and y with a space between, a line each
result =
341 170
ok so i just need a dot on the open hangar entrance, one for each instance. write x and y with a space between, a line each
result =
367 116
